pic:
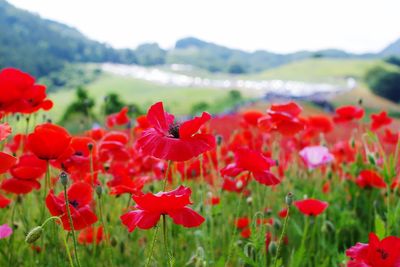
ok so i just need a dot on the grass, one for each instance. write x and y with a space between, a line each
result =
320 70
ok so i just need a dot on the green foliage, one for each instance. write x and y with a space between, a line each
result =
385 83
83 105
394 60
150 54
199 107
112 103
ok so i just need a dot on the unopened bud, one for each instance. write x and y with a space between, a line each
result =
64 178
272 248
289 198
219 140
99 190
371 158
34 235
277 224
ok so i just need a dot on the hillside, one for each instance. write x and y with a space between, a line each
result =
392 49
40 46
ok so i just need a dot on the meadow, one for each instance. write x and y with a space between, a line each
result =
272 184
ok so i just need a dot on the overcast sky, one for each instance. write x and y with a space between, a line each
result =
274 25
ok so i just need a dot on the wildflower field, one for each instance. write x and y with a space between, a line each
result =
253 188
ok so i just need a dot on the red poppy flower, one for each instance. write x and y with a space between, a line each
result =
369 178
28 167
5 131
377 253
19 186
80 196
348 113
254 162
77 157
4 202
311 207
126 185
379 120
149 208
90 235
251 117
283 118
6 162
242 222
113 147
283 213
391 137
171 141
48 141
118 119
320 123
20 93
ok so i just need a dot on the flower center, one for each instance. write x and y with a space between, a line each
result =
382 253
74 203
174 130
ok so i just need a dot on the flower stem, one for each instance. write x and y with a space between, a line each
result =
282 235
72 226
166 174
64 238
166 240
152 247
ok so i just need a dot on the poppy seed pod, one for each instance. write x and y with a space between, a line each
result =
34 235
219 139
90 146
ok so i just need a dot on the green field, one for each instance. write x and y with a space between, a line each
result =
178 100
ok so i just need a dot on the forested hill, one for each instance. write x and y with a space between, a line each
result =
40 46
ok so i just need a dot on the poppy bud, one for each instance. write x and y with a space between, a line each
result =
113 241
239 184
34 235
49 120
289 198
64 178
371 158
360 101
272 248
249 200
328 227
219 140
99 190
17 117
90 146
277 224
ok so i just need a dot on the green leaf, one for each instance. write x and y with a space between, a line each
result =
380 229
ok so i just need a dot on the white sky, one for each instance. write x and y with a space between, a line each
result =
274 25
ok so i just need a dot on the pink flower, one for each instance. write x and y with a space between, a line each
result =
315 156
5 231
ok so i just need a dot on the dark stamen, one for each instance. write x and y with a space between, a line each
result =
174 130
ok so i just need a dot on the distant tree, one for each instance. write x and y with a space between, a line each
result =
235 95
236 68
385 83
112 103
82 104
394 60
199 107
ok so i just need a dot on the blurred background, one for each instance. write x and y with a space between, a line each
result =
220 56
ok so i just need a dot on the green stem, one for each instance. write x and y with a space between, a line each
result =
166 239
152 247
106 233
166 175
72 226
282 235
64 237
